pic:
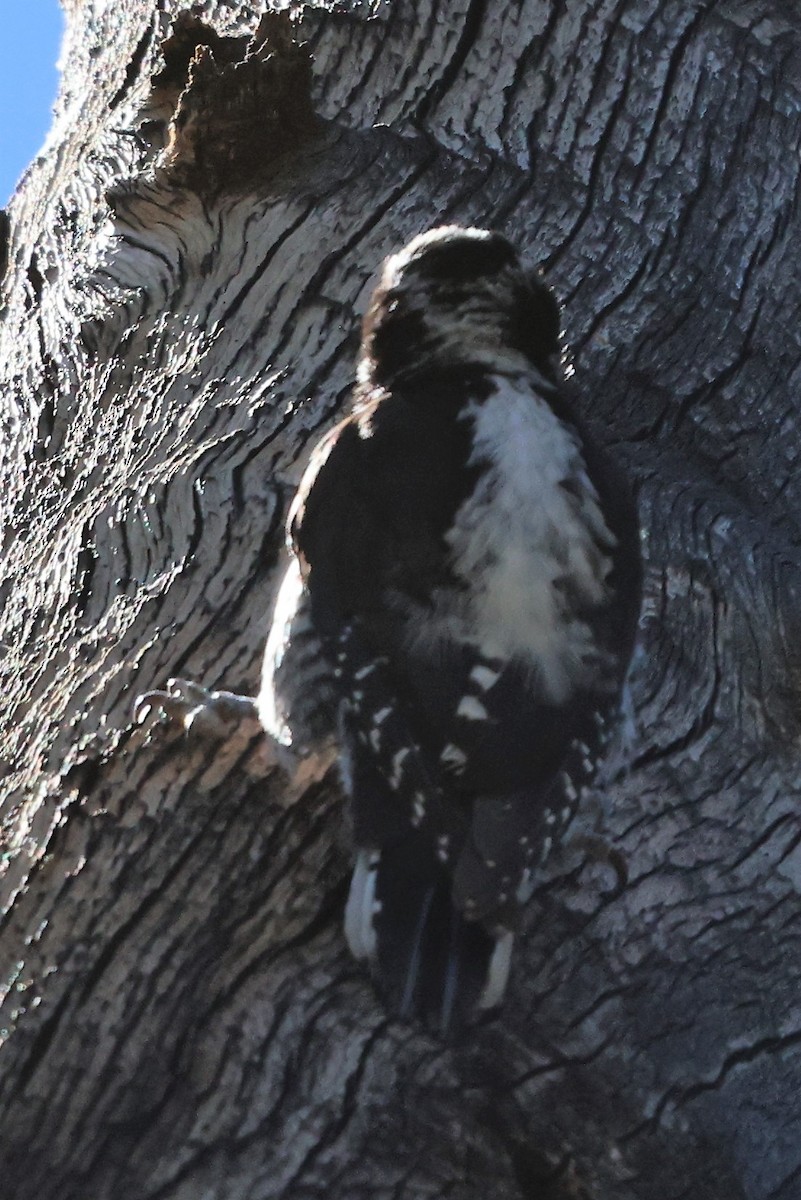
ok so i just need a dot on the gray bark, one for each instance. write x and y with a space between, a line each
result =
187 265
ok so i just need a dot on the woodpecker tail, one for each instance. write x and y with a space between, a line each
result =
429 962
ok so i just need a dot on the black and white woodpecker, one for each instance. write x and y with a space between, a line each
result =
457 616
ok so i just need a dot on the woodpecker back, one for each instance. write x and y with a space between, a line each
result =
458 616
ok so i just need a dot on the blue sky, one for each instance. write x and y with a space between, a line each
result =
29 47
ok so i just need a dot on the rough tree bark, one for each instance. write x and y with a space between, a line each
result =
187 263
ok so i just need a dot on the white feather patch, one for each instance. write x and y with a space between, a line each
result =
452 756
471 709
397 766
497 972
518 535
484 677
361 906
268 701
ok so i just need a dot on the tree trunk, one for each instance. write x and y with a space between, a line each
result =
187 264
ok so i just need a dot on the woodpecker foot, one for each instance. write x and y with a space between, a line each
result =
186 709
597 850
190 708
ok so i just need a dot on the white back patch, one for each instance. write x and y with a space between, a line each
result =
527 547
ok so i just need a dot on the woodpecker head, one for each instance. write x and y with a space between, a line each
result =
456 295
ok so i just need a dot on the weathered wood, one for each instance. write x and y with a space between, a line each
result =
187 265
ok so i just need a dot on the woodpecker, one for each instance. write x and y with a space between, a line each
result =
456 618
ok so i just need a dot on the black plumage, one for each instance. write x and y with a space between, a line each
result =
458 616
